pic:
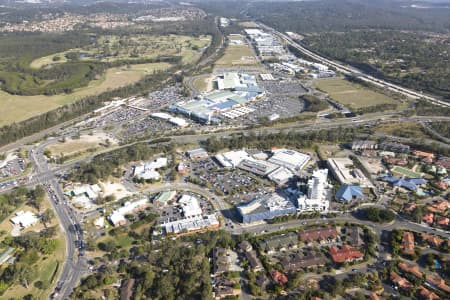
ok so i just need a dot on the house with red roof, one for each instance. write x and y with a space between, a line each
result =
401 282
407 242
410 268
443 221
438 282
425 294
278 277
345 254
428 218
432 239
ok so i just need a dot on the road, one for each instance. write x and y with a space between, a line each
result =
347 70
74 266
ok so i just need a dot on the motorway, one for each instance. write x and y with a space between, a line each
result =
347 70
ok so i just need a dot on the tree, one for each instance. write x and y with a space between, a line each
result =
47 216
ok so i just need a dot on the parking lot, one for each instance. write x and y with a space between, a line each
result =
170 213
13 167
238 185
146 127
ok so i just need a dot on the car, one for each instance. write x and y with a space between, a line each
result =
303 223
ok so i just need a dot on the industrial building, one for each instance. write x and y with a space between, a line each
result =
265 43
266 207
345 172
197 154
232 159
290 159
318 195
147 170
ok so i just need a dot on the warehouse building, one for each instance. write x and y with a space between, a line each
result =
24 219
290 159
197 223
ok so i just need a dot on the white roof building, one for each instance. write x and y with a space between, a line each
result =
148 171
346 173
318 195
232 159
190 206
290 159
117 217
24 219
281 175
191 224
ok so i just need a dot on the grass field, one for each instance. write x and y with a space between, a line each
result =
237 56
14 108
404 129
405 172
84 143
249 24
111 48
203 83
351 94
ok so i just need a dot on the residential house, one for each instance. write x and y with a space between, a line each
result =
443 221
437 282
425 294
401 282
410 268
407 242
428 218
318 235
345 254
279 242
297 261
278 277
254 261
354 236
374 296
126 291
432 239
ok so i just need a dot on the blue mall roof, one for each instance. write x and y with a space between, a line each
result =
348 192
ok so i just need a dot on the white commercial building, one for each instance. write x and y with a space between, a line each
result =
318 195
190 206
147 170
117 217
281 175
290 159
191 224
345 172
24 219
232 159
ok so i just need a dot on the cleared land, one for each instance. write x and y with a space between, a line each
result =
404 129
406 172
111 48
203 83
14 108
237 56
249 24
84 143
351 94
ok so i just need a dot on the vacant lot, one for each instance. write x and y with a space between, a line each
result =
237 56
84 143
14 108
351 94
203 83
404 129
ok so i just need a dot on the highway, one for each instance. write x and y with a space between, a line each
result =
347 70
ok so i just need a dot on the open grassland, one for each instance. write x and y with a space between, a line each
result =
110 48
15 108
351 94
404 129
203 83
237 56
84 143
